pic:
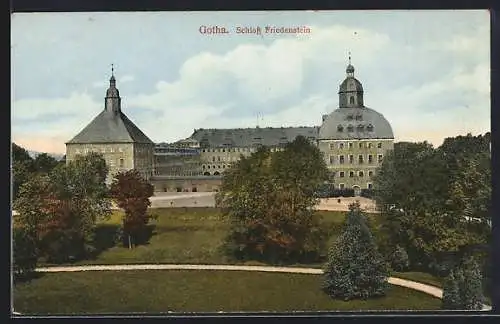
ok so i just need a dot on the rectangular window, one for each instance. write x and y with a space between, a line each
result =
121 150
332 159
360 159
351 159
379 145
332 146
341 186
370 158
360 145
370 173
351 174
341 146
369 145
213 158
350 145
370 186
380 158
341 159
218 158
341 174
122 163
361 174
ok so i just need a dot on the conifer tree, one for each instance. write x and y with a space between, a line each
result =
355 269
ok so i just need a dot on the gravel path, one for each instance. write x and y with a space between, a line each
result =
428 289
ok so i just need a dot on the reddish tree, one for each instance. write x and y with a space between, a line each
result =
131 193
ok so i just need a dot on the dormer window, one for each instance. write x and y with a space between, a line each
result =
369 127
359 117
349 117
350 128
360 127
340 128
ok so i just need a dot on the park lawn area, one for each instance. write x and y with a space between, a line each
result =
182 235
194 291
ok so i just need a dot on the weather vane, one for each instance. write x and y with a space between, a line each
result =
112 69
349 57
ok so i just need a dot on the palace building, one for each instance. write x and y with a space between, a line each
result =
353 138
123 145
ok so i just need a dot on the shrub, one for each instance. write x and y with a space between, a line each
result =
399 259
463 287
24 252
355 268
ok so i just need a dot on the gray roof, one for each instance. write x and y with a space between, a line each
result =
350 84
355 123
245 137
110 127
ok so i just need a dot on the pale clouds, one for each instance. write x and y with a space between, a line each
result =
428 89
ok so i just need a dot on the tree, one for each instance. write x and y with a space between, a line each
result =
44 163
131 193
61 209
435 201
355 269
462 288
269 199
80 186
22 168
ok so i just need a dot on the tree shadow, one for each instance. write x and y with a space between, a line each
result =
105 237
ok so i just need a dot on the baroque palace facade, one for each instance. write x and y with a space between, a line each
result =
353 139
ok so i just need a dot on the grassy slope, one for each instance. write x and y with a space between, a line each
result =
181 235
160 291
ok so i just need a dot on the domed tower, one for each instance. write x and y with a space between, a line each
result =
351 90
354 138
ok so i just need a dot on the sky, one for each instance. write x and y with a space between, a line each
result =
427 72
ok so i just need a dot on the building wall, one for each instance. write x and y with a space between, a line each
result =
355 173
219 159
119 157
144 159
185 184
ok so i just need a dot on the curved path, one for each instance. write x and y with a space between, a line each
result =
428 289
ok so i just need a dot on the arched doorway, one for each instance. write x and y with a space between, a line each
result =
206 173
357 191
216 173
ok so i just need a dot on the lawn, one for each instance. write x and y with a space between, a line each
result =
194 291
181 235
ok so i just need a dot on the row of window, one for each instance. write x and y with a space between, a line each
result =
214 166
102 150
237 149
223 158
368 186
360 160
350 145
352 174
360 127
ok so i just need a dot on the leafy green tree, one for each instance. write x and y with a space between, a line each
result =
22 168
435 201
269 200
355 269
131 193
62 208
44 163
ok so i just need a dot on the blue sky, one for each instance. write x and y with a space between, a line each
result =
427 72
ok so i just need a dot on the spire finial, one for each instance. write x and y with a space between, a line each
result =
112 69
349 57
